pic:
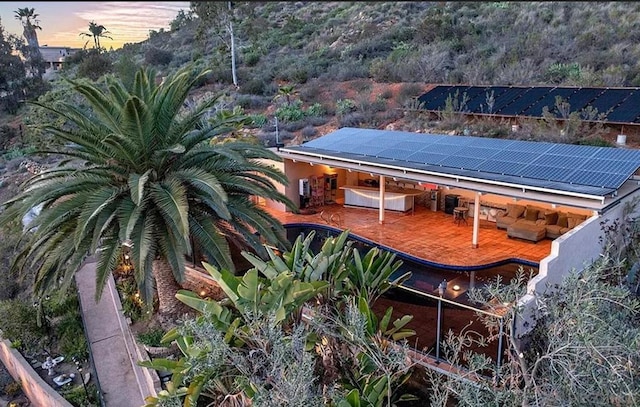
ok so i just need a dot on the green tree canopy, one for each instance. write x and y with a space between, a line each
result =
141 176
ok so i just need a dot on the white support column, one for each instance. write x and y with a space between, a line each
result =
381 209
476 220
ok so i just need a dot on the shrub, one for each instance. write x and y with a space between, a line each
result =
409 91
251 58
252 102
94 65
258 120
76 395
309 132
290 113
132 306
156 56
310 92
19 323
595 141
315 110
294 126
7 133
361 85
386 94
316 120
152 337
12 389
255 86
344 106
352 120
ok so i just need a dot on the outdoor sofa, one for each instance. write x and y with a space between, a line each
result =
534 223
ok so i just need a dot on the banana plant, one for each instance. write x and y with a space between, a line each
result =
370 275
395 330
301 261
167 396
280 293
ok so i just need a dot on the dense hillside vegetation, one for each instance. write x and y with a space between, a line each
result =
287 72
317 66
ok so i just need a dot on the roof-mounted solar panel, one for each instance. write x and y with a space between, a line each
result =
584 169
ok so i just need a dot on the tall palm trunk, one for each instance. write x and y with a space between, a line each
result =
167 287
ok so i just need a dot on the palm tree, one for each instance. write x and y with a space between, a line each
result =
143 177
96 32
28 18
287 92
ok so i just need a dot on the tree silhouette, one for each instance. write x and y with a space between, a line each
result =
96 32
28 17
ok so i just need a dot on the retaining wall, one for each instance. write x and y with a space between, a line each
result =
33 386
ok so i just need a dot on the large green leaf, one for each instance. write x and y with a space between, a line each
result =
136 186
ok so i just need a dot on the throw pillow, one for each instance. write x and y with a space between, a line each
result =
515 211
563 221
551 218
577 216
531 214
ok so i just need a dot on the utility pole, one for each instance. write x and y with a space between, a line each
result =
233 46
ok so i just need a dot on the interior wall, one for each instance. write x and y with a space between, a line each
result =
299 170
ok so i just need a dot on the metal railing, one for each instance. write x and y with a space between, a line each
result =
440 300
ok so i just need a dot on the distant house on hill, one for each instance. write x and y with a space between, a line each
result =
54 58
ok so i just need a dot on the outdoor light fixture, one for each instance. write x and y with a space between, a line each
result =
456 287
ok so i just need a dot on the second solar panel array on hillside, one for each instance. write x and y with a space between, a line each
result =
618 105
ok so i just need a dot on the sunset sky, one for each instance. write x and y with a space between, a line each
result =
62 22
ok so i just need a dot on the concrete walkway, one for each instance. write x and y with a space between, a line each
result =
113 348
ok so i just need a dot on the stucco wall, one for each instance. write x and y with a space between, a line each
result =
574 250
37 390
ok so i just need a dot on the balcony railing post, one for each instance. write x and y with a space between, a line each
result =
500 335
438 329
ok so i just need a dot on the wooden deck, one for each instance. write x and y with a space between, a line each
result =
425 234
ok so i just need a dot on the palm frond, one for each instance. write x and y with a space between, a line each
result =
213 243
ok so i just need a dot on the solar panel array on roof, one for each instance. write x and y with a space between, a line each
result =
567 167
618 105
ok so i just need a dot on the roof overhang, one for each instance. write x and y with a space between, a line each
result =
596 202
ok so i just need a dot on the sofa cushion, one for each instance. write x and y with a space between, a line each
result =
577 216
515 210
531 214
551 218
572 222
562 220
525 230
